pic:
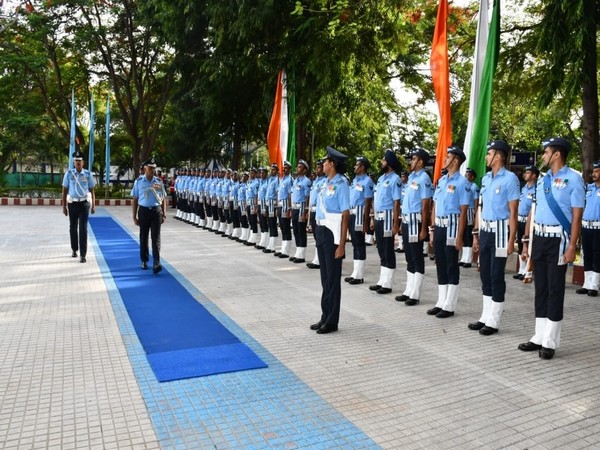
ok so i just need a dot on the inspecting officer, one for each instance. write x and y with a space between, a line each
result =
149 212
77 199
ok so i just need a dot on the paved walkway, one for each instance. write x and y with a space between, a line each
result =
73 375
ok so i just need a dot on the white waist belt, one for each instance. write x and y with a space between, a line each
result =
488 225
551 229
590 223
522 219
441 221
75 199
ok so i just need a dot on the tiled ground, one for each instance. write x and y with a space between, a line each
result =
70 379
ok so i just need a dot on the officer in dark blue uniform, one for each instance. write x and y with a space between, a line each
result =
149 212
78 199
332 215
559 203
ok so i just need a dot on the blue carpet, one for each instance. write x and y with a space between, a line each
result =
181 338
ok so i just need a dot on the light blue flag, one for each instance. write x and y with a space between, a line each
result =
72 140
107 179
92 131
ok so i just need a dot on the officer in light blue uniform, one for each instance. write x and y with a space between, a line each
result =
496 234
466 258
284 211
252 208
404 180
525 201
300 195
331 217
559 203
449 216
149 212
416 206
315 189
262 208
271 207
245 225
590 236
362 191
78 199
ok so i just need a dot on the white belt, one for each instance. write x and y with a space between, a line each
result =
77 200
321 222
380 215
551 229
522 219
313 208
406 217
488 225
590 223
353 211
297 205
280 203
441 221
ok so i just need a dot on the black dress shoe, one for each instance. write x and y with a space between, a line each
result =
581 291
316 326
299 260
433 311
268 250
592 293
144 265
74 255
313 266
518 276
411 302
327 328
374 287
461 264
443 314
545 353
156 269
488 331
283 255
259 247
356 281
82 259
383 290
249 244
467 265
292 258
476 326
276 254
529 347
348 279
402 298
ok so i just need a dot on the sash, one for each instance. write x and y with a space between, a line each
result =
562 219
333 221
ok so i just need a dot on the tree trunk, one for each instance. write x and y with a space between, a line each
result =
590 139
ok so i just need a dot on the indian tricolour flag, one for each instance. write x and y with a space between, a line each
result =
281 140
485 61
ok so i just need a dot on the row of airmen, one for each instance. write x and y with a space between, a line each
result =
454 216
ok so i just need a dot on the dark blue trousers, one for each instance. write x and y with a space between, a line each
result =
331 274
491 268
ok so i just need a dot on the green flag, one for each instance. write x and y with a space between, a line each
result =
481 128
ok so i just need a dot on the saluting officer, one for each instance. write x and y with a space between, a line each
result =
466 259
78 199
149 212
386 205
315 189
449 215
590 236
559 200
416 207
525 201
300 194
284 211
332 227
495 237
361 199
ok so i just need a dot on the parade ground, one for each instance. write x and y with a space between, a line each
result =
73 374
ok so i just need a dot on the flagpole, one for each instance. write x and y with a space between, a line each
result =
107 176
72 136
92 131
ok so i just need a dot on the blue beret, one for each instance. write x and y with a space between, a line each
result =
533 169
500 146
420 153
335 155
557 142
596 165
471 171
458 152
364 161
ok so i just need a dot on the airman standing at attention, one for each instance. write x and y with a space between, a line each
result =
317 184
404 180
262 208
590 236
252 208
387 210
466 259
242 191
416 208
525 201
559 200
361 199
78 199
271 207
300 195
284 195
495 236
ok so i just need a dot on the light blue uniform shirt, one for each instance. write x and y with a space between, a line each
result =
418 188
78 183
262 189
285 188
592 203
526 199
451 193
315 189
233 193
272 185
334 196
568 190
150 193
300 189
473 190
496 192
387 191
241 192
362 188
252 190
